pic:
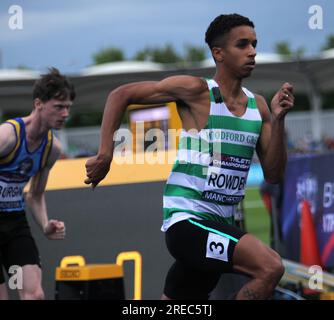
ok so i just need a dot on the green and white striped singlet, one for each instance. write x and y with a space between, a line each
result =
209 174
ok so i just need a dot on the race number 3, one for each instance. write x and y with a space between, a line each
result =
217 247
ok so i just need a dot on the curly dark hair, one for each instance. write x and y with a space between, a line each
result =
53 85
222 24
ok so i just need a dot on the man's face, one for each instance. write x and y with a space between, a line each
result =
238 51
55 112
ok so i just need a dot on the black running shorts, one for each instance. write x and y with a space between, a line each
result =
17 246
203 250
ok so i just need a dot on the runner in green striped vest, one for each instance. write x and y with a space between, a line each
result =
209 175
223 124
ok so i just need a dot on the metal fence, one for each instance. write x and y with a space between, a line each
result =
299 124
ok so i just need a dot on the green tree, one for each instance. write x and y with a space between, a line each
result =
23 67
194 54
108 55
166 54
283 48
299 53
143 55
329 43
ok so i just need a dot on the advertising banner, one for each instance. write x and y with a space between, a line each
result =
311 178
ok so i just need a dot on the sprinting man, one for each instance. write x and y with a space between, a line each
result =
223 124
28 150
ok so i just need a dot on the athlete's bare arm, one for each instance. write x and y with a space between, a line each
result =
192 91
7 139
35 197
271 147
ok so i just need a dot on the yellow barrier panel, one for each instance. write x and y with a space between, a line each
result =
136 257
327 296
76 280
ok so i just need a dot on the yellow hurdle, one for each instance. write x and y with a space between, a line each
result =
136 257
76 280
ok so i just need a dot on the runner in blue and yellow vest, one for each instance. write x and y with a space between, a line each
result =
28 150
223 124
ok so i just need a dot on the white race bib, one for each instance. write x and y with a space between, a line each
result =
11 195
217 247
226 180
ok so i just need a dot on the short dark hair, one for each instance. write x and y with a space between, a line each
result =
53 85
222 24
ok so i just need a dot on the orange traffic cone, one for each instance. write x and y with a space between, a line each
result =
266 198
309 249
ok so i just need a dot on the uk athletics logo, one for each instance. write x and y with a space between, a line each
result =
307 189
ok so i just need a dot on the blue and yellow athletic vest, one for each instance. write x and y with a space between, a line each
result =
19 166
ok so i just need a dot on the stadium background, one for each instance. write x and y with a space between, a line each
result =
125 213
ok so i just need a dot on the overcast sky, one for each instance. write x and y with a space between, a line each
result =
66 33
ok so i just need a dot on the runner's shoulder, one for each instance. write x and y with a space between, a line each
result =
260 100
187 84
7 128
7 138
262 106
